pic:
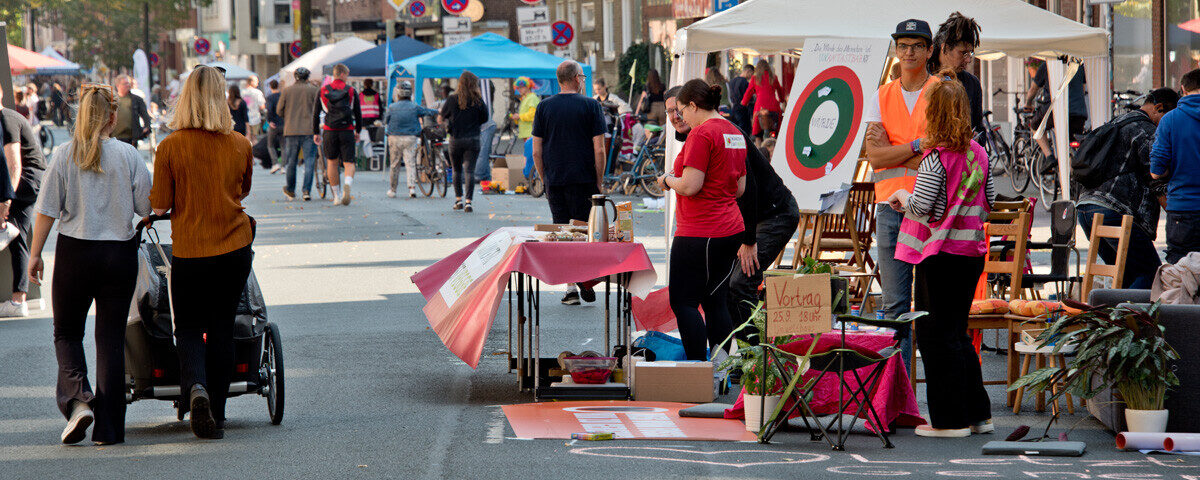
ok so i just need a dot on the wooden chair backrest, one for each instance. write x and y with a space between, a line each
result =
1116 271
1014 265
856 220
1006 212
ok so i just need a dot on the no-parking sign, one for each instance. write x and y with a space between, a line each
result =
153 59
455 6
822 127
295 49
561 33
416 8
202 46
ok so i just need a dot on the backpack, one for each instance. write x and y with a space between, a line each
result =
339 114
1100 154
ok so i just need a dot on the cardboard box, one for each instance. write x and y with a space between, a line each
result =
690 382
509 171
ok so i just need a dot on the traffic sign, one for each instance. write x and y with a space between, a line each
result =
455 6
533 15
532 2
153 59
416 8
202 46
561 33
456 25
535 34
295 50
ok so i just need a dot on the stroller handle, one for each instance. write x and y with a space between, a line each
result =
149 221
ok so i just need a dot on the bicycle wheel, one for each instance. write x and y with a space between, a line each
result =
1002 152
648 174
536 187
426 173
1049 187
442 179
1018 172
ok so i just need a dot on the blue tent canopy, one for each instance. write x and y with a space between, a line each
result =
372 62
487 56
71 68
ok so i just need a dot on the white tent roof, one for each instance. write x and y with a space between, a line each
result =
1010 26
316 59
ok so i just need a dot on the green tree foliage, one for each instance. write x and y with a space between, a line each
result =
641 53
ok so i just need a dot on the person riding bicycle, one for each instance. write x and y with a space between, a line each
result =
403 123
1039 91
342 124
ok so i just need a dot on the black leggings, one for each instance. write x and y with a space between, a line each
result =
206 292
699 276
103 271
463 155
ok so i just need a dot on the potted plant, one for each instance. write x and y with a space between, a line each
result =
1122 347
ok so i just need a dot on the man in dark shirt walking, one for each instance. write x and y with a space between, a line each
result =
568 152
274 128
25 164
133 121
740 114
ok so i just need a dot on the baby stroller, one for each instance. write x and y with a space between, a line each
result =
151 362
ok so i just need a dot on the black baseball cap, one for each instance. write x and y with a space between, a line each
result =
913 28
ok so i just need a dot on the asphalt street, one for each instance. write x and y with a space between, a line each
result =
373 393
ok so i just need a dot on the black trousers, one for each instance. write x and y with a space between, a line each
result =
21 215
945 287
463 155
699 276
1183 234
104 272
274 144
773 234
571 202
206 292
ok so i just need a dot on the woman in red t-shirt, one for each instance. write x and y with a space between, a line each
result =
709 176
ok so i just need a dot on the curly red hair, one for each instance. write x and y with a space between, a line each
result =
947 115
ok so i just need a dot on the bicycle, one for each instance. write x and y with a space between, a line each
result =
999 154
624 173
433 162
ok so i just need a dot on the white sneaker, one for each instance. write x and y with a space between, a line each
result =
10 309
9 234
391 194
275 169
77 425
928 431
985 426
345 200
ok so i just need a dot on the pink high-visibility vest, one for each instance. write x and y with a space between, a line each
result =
959 231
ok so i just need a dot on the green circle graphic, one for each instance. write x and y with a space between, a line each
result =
839 92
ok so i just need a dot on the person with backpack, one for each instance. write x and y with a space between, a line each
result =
339 133
1112 166
1175 159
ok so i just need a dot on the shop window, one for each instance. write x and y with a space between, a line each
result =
610 44
587 17
1182 41
1133 65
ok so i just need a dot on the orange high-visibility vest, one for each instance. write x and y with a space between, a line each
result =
902 126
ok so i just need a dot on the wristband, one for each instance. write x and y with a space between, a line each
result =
915 146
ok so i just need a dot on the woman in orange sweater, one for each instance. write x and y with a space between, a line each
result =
201 174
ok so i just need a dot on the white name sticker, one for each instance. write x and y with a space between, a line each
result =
735 141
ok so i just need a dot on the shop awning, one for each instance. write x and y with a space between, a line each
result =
69 67
23 61
316 59
373 62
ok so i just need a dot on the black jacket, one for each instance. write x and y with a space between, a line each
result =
141 117
766 196
1132 191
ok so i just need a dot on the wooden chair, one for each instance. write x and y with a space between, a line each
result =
1116 271
846 238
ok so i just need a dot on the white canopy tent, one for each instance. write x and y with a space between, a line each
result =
1009 27
316 59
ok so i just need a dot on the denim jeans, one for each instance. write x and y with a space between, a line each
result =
291 154
1183 234
1141 262
483 166
895 276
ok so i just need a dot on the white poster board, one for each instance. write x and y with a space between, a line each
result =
822 128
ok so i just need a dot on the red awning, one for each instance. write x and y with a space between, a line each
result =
25 61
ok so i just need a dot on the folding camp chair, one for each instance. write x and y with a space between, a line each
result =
837 361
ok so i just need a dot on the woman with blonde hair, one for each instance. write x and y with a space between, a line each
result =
942 234
201 175
94 187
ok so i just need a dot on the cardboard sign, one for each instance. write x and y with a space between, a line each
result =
798 305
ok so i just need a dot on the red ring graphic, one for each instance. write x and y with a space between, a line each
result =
847 75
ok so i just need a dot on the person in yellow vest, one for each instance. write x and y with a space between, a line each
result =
895 119
529 103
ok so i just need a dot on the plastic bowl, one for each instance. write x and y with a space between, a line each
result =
590 370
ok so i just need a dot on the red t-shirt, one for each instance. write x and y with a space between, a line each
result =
718 149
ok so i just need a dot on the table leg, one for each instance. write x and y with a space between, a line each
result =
509 352
537 338
607 287
626 314
520 331
1040 403
1014 370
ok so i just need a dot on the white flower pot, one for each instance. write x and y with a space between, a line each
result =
1154 421
752 404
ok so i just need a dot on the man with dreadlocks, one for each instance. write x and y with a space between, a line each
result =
954 47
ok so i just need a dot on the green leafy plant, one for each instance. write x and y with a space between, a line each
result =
1122 345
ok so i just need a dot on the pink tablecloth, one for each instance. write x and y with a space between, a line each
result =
463 322
893 398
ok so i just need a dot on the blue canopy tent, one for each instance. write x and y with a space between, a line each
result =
71 68
373 62
487 56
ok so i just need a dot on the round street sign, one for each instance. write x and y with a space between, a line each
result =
153 59
294 48
532 2
561 33
201 45
416 8
824 123
455 6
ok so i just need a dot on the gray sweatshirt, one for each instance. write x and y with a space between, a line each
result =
92 205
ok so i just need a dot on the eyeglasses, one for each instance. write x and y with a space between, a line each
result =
907 47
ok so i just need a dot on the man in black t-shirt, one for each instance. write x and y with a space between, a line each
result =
25 163
568 152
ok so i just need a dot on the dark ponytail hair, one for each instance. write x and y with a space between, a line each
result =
705 96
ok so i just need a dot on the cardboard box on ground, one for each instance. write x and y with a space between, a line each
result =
664 381
509 171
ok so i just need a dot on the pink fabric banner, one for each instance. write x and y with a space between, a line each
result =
463 323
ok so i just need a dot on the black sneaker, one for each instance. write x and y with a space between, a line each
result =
467 208
587 294
458 205
203 424
289 194
571 298
307 197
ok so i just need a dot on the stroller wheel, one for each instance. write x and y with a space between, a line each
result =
271 373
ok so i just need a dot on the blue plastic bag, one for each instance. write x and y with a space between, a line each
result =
665 347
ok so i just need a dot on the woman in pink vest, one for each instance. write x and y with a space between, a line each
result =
942 234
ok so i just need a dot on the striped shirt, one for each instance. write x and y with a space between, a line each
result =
929 196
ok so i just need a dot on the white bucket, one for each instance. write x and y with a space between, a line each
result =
752 403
